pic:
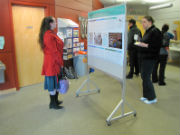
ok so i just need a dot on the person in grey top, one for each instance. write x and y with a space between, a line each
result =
134 35
162 59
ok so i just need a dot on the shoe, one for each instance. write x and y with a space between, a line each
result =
162 83
155 81
53 104
58 102
143 99
129 76
150 101
136 73
56 107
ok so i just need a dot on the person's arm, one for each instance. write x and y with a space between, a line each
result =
50 43
171 36
130 39
61 52
154 40
141 44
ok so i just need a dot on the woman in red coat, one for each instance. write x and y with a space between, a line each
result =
52 47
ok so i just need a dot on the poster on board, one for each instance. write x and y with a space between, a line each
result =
106 39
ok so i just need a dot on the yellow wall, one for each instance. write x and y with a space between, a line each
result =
177 29
138 22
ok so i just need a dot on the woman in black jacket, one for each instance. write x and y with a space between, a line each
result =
149 51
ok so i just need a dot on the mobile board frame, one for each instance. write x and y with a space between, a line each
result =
121 75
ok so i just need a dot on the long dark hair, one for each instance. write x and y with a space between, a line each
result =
45 25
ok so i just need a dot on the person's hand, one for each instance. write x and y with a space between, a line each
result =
143 44
174 31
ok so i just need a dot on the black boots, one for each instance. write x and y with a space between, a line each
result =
56 99
129 76
162 83
53 103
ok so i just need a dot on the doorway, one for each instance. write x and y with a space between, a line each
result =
29 57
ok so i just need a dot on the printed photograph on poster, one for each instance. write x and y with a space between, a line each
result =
90 38
105 39
115 40
97 39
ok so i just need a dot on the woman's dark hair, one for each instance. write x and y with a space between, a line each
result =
149 18
165 28
45 25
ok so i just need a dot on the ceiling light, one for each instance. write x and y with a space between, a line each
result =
161 6
124 0
155 1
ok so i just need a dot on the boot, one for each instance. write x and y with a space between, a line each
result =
131 71
136 73
154 79
56 99
53 104
162 83
129 76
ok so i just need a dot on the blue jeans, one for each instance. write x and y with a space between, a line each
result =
146 71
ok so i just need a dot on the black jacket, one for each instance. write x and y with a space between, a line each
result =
133 30
153 37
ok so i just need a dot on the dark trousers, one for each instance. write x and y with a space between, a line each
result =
146 71
162 61
133 61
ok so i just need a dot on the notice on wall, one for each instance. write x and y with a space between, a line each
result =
106 39
2 42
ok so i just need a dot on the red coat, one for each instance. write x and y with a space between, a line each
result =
53 54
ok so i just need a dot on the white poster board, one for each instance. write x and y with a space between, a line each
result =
106 40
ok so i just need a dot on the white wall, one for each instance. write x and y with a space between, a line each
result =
167 15
137 10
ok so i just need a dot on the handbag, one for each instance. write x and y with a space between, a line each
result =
63 82
63 86
62 74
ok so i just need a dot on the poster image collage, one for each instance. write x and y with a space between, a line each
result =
113 40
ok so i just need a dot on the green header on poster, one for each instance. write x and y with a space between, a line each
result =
111 11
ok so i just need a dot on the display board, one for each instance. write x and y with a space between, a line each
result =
107 39
68 31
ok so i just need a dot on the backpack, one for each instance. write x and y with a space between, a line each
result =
165 40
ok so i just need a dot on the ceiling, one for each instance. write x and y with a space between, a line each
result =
134 2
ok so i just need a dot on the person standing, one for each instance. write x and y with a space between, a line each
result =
52 47
134 34
162 59
149 51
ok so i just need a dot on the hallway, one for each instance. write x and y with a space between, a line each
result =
26 112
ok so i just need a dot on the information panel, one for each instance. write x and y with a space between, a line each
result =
106 39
